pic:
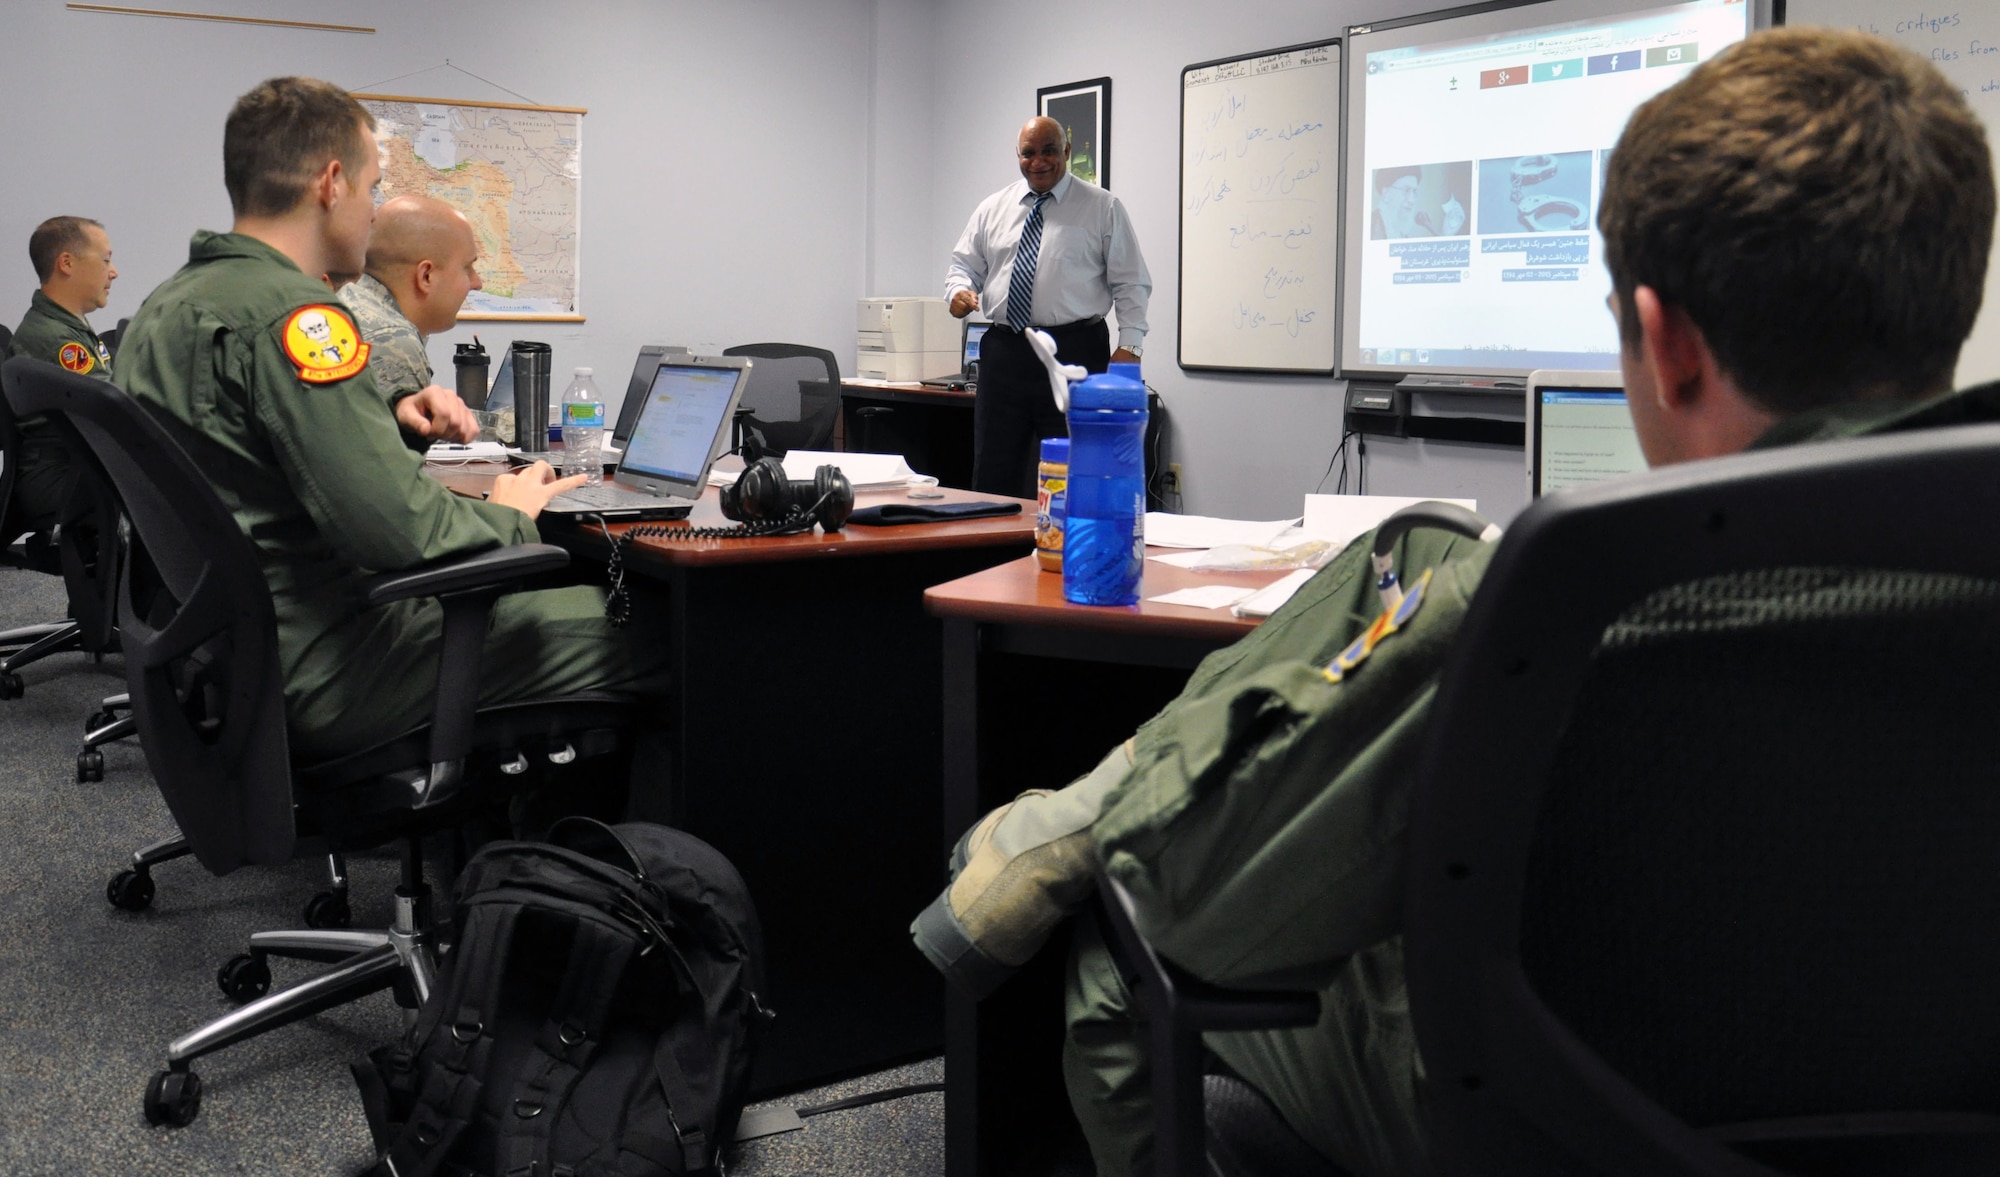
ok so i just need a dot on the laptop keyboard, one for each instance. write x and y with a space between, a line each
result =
609 497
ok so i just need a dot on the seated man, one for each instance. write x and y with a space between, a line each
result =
420 266
72 258
1260 818
266 383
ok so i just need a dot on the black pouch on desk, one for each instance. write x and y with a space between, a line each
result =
892 514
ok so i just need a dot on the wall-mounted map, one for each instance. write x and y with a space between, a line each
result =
515 172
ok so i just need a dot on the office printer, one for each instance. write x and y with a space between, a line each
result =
905 339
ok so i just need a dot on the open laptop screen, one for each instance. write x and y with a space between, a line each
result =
1580 435
686 409
974 332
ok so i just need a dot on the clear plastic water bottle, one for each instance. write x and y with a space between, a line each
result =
583 428
1104 542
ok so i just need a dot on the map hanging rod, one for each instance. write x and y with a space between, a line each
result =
121 10
532 104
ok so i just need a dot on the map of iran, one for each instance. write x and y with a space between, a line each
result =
515 172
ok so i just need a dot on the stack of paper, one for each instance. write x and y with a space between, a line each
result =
1341 519
1201 531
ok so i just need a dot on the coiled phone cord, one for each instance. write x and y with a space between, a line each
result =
618 600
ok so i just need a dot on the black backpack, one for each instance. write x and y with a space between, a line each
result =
597 1016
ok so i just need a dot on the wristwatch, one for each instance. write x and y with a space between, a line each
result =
1137 350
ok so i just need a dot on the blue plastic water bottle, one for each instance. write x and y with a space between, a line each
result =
1104 545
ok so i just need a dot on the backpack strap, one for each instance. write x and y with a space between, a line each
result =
447 1099
694 1143
565 1043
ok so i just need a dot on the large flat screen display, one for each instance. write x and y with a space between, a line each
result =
1476 145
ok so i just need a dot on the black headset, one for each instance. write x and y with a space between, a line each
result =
763 495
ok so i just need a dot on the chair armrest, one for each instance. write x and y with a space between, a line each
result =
482 570
1179 1007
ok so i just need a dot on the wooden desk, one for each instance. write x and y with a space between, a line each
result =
931 427
807 701
1036 692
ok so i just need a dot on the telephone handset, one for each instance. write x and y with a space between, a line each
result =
762 500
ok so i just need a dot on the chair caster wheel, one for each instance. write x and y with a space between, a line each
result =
244 978
130 891
173 1098
97 720
89 766
11 686
328 910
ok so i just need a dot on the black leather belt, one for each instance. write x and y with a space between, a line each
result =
1076 326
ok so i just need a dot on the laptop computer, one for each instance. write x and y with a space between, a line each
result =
968 364
683 420
648 363
1579 430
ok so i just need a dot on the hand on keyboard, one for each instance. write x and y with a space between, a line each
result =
529 489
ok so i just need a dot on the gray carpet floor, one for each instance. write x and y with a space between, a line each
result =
90 995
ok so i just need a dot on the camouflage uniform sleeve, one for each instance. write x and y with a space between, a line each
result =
345 460
1262 829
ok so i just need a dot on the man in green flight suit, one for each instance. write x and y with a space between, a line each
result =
265 381
1797 235
421 264
72 259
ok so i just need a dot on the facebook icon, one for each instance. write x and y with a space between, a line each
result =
1613 63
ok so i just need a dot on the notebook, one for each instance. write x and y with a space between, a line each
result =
683 422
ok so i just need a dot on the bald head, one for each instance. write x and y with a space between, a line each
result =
424 251
1043 150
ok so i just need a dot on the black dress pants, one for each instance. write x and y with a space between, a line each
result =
1015 411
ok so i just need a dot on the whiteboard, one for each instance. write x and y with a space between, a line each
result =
1260 211
1964 41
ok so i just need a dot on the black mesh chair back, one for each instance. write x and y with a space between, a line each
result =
1703 875
197 625
793 395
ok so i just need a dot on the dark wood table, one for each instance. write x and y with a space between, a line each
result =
808 715
1037 690
930 427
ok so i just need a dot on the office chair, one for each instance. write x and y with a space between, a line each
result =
793 396
83 547
202 667
1702 874
112 337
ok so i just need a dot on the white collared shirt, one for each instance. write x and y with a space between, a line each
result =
1088 263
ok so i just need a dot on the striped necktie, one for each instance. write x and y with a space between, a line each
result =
1021 287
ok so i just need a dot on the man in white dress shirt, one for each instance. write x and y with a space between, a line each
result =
1052 252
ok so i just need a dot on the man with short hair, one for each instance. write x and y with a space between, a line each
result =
1053 252
266 383
421 265
1260 819
72 259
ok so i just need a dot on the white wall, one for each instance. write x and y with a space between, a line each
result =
726 173
1248 446
751 169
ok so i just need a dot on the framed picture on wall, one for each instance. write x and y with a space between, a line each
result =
1084 110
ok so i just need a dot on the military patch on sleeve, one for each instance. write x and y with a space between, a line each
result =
1389 622
324 343
75 357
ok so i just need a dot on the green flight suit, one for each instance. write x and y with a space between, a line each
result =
318 477
1261 830
50 331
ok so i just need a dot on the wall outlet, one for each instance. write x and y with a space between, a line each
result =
1172 484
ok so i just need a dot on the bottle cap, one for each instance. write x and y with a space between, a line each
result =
1109 390
586 371
1055 449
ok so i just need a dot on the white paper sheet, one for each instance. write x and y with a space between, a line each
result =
1338 519
864 471
1207 596
1164 530
1265 601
